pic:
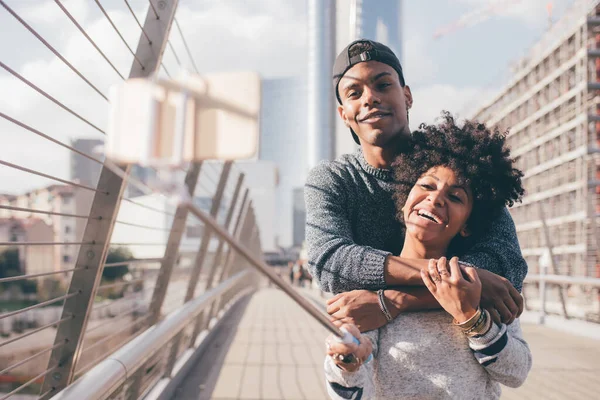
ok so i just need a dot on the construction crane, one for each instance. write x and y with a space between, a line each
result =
475 17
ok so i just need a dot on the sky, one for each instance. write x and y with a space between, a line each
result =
456 72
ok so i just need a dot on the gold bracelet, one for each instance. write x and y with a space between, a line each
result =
477 325
487 326
470 322
482 328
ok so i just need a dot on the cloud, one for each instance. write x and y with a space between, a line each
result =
429 101
268 37
418 64
47 12
530 12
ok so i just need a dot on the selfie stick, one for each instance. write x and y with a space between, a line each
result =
264 269
343 335
163 115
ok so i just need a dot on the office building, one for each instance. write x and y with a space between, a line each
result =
283 141
379 20
552 108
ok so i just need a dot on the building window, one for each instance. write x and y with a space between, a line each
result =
66 258
67 229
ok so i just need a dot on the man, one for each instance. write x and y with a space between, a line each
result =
352 234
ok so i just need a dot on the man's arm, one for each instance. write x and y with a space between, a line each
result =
501 269
361 307
498 251
340 265
335 261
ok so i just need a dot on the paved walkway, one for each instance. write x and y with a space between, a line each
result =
271 349
564 366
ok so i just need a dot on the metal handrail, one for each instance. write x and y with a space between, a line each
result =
99 382
564 280
261 267
79 257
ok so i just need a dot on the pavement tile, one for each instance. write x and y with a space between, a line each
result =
277 353
271 390
229 382
290 383
251 383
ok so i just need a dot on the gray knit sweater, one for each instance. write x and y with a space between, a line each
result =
351 229
422 356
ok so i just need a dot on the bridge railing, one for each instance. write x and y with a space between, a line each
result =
96 261
548 294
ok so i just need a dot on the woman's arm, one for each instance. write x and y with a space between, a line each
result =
501 350
350 382
504 354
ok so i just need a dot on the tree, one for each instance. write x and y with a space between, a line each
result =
115 255
9 263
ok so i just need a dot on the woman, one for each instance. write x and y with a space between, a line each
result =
455 181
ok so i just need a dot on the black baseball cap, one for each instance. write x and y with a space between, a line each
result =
378 52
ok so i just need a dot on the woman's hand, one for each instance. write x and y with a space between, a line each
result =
337 350
458 290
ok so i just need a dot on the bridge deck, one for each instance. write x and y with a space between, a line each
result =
262 354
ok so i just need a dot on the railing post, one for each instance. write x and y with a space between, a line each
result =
103 213
172 355
204 244
205 315
233 262
596 234
221 245
199 260
236 262
552 261
172 249
543 272
240 224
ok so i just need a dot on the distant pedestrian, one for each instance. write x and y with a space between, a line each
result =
291 271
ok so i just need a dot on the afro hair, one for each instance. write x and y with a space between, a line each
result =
478 156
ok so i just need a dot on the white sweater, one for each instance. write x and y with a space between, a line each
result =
421 355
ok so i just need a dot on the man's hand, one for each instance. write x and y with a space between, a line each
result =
358 307
498 296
